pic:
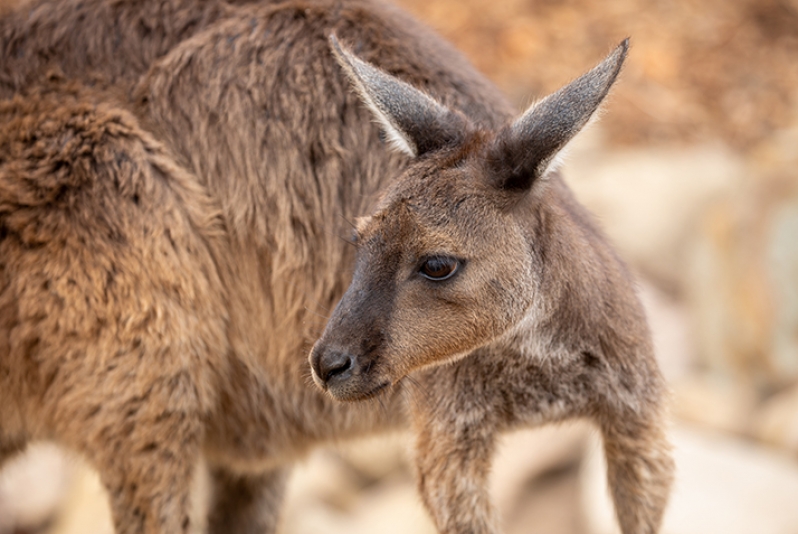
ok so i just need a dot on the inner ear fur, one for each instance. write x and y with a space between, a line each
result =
522 152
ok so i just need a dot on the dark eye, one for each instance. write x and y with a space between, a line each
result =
439 268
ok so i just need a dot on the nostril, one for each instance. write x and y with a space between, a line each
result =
334 364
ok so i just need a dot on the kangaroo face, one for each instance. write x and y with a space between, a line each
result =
443 265
440 271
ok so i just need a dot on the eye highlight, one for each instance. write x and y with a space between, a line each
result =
438 268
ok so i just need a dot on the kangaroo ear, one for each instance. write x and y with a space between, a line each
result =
525 150
414 122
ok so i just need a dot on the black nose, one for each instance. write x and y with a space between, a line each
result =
333 364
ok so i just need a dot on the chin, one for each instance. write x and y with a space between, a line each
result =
354 392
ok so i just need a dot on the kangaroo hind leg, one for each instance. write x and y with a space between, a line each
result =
246 504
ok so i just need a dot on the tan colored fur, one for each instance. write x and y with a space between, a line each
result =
176 181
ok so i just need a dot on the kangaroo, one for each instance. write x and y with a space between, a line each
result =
176 177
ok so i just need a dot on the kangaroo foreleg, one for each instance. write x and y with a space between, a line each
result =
639 470
453 481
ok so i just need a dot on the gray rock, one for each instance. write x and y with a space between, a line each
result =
650 200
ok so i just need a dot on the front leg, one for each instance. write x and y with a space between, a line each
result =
452 475
246 504
639 468
456 429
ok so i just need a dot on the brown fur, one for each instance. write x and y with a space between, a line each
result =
176 178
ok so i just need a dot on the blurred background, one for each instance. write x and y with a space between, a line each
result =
693 172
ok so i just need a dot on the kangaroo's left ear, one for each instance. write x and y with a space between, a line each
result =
414 122
523 151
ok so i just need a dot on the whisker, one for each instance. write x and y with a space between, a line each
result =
325 317
349 242
418 388
383 406
339 236
314 321
308 377
317 303
350 223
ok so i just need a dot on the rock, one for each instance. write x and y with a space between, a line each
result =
650 200
323 479
327 495
378 457
715 401
670 329
32 488
524 455
723 484
549 504
782 268
742 285
393 508
777 421
86 509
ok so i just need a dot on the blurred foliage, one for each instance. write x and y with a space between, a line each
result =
698 69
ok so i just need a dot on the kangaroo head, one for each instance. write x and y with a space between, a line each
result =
444 263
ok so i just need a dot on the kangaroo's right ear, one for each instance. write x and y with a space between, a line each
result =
414 122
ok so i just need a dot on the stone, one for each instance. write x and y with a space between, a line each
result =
32 488
85 509
378 457
524 455
327 495
322 479
650 200
715 401
742 285
547 505
669 321
777 421
392 508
